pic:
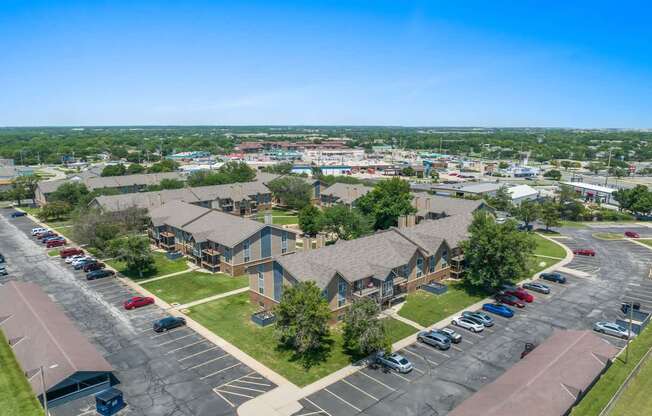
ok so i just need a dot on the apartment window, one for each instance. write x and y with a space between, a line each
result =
284 242
444 258
419 266
227 254
261 280
341 293
247 251
432 264
388 287
358 285
405 270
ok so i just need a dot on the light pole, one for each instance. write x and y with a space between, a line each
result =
629 330
45 399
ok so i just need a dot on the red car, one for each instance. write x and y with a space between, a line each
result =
70 251
41 236
509 300
89 267
632 234
137 302
521 293
55 243
584 252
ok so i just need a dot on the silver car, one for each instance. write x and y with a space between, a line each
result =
394 361
481 317
466 323
452 335
611 328
435 339
537 287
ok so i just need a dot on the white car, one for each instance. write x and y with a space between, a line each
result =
38 230
611 328
467 323
81 259
74 258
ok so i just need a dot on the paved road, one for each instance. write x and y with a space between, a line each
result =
442 380
177 373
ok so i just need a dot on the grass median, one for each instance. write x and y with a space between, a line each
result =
647 242
548 248
598 397
16 396
230 318
162 267
191 286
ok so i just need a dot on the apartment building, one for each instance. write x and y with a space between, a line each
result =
216 240
384 266
343 193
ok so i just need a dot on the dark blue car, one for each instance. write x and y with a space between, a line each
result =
500 310
553 277
168 323
17 214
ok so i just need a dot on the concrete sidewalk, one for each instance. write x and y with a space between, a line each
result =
153 279
212 298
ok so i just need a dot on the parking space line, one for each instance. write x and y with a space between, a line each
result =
253 377
200 352
422 357
244 388
251 382
456 348
219 371
344 401
642 295
400 376
434 350
360 390
186 346
167 332
377 381
227 400
310 413
318 407
207 362
466 340
174 340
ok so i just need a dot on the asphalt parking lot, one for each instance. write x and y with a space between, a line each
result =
174 373
442 379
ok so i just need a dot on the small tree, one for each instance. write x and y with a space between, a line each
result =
292 191
553 174
134 251
54 210
363 332
345 222
310 220
502 201
302 320
388 200
74 193
135 168
566 164
550 215
114 170
408 171
496 253
503 165
527 212
166 165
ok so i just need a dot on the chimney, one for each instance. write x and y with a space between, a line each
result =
416 202
268 218
307 243
428 204
411 220
402 222
320 240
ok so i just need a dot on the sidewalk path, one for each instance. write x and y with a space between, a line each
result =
212 298
153 279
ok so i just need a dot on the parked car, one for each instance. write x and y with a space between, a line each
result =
611 328
74 258
467 323
523 227
394 361
584 252
17 214
168 323
553 277
498 309
521 293
435 339
78 265
38 230
509 300
479 316
45 234
452 335
3 270
99 274
537 287
80 259
89 267
55 243
137 302
632 234
70 251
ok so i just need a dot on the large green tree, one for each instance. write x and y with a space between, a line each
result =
135 168
527 211
388 200
165 165
553 174
135 251
310 220
550 214
291 191
363 331
74 193
302 321
114 170
346 223
496 253
637 200
502 200
54 210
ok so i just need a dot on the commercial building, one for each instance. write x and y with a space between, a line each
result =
216 240
593 193
520 193
548 381
51 351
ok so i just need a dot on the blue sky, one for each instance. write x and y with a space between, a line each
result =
428 63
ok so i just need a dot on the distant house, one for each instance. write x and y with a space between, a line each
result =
123 184
384 266
216 240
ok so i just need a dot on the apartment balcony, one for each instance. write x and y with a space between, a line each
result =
457 266
366 292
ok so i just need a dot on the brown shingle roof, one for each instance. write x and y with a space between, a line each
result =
42 335
346 193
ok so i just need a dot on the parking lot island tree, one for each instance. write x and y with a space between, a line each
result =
302 323
388 200
134 250
496 253
363 330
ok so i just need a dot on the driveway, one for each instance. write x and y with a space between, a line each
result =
174 373
443 379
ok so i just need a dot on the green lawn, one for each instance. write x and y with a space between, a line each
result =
647 242
16 396
426 309
573 224
548 248
163 266
598 397
279 217
230 318
637 394
608 236
187 287
54 252
64 231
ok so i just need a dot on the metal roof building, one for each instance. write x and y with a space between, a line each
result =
46 343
